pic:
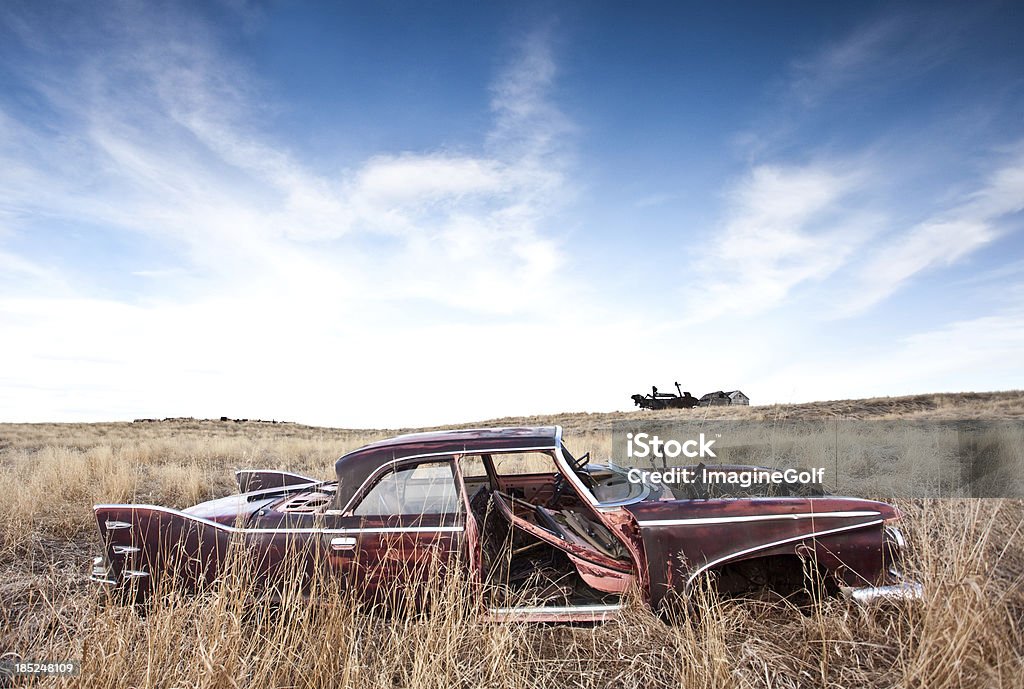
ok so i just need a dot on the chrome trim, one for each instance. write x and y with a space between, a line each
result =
235 529
765 546
99 569
897 536
125 550
557 610
908 590
102 580
563 464
398 529
114 525
755 518
343 543
134 573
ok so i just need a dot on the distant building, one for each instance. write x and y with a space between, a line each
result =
737 397
719 398
715 399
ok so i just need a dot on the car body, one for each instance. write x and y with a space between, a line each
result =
543 535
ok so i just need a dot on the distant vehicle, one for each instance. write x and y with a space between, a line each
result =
665 400
544 536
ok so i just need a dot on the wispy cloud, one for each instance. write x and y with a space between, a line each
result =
832 224
940 240
879 54
159 139
787 226
226 265
175 154
837 83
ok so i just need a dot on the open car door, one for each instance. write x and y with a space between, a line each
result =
551 565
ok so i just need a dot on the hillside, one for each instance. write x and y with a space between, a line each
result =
1000 405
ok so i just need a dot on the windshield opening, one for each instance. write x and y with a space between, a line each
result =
608 483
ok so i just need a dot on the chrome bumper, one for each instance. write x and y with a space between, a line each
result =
900 588
905 590
101 572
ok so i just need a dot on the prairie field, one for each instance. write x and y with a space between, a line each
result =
968 552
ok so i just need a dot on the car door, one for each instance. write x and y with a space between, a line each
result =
403 533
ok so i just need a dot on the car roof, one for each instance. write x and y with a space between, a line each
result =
354 468
514 436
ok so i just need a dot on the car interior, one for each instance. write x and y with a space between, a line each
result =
531 523
526 515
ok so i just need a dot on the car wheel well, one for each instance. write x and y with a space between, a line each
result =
775 575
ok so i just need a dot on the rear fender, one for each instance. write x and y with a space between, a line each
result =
143 544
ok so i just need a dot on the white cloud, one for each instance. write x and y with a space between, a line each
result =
791 226
941 240
527 123
284 287
785 228
844 61
174 154
419 179
396 290
879 54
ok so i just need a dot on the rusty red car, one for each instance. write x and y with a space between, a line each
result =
544 535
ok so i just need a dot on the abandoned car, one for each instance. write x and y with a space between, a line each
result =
542 535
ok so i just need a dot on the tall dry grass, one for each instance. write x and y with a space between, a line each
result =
965 633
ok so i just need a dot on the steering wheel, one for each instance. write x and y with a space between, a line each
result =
580 462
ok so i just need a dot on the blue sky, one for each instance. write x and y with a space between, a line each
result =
392 214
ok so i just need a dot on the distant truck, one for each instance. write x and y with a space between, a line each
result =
665 400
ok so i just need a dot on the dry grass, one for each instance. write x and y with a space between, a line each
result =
966 633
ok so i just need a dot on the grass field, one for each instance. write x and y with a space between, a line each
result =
967 632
